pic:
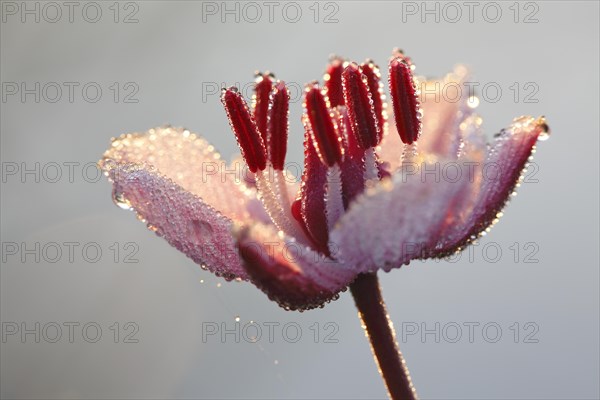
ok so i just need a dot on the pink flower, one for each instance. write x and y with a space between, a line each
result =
375 193
421 201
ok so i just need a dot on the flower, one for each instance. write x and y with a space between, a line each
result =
375 193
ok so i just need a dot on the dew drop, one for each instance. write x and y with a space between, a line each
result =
542 137
473 102
545 134
120 200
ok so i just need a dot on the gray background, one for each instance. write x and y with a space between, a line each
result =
171 54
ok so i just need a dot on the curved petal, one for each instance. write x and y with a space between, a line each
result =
399 219
187 222
445 105
288 272
176 181
499 175
188 160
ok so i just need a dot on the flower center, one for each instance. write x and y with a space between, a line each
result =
344 121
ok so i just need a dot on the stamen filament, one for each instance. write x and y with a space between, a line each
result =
279 210
371 167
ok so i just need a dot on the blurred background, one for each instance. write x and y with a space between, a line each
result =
93 305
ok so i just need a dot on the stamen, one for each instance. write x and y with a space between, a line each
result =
260 101
371 165
371 71
399 53
244 127
405 103
276 206
324 128
277 126
334 202
333 81
361 111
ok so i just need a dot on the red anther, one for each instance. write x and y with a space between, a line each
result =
262 89
404 101
371 71
361 112
399 53
277 126
244 127
333 81
323 126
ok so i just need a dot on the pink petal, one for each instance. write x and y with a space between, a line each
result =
178 183
188 160
443 115
187 222
395 221
501 172
291 274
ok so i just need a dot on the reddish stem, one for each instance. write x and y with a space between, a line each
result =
378 327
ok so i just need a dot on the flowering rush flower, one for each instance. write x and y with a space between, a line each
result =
376 192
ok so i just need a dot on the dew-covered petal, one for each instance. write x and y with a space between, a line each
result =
189 161
185 220
496 180
288 272
180 186
397 220
443 112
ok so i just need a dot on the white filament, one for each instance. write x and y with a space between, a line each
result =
371 171
272 191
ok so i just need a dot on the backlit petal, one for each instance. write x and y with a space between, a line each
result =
288 272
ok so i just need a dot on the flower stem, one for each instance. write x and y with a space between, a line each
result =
380 331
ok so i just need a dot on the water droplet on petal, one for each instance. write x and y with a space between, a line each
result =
120 200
